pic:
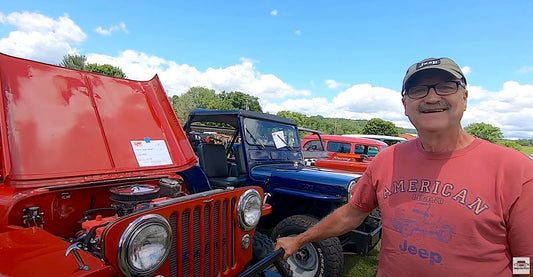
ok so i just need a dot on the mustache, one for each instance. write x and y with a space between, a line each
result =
434 106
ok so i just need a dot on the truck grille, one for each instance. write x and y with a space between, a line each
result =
205 243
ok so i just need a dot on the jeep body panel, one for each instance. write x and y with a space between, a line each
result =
327 185
35 252
83 136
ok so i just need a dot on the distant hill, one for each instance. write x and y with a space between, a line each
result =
334 126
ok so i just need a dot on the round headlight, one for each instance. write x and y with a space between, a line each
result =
350 187
249 209
145 245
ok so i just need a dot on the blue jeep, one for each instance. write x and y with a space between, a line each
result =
243 148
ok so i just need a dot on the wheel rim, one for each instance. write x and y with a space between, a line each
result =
304 262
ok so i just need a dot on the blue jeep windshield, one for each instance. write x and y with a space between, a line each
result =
267 133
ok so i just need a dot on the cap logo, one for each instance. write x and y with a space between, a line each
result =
427 63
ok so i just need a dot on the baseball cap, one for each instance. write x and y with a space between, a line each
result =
445 64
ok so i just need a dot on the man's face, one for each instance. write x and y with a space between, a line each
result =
434 113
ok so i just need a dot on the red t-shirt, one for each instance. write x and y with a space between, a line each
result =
466 212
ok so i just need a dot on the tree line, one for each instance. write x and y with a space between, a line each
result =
200 97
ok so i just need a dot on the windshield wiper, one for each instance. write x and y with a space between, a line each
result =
255 140
283 140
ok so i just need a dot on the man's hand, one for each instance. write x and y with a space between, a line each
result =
289 244
342 220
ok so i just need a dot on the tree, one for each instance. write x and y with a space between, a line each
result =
73 61
241 101
510 144
105 69
79 62
485 131
377 126
300 118
195 97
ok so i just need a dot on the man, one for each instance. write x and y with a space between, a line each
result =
450 203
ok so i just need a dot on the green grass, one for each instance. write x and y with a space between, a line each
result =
527 150
361 266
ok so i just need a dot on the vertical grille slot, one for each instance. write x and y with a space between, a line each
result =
204 239
173 256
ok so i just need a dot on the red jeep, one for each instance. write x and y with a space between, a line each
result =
339 152
99 179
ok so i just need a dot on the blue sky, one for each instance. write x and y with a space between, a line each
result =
332 58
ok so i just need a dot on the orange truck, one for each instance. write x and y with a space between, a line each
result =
340 152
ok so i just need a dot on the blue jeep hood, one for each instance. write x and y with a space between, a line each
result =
320 183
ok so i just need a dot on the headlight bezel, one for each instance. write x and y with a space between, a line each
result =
127 239
243 213
351 185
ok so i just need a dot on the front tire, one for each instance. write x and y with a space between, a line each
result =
317 259
262 247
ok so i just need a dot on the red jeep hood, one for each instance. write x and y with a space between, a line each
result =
61 126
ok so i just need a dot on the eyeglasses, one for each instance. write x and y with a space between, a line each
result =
442 89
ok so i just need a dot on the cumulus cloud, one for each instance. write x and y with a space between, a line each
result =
107 32
510 109
179 78
361 101
274 12
332 84
466 70
40 37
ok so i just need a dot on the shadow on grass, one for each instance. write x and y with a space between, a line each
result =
361 265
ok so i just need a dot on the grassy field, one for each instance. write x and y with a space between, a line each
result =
527 149
361 266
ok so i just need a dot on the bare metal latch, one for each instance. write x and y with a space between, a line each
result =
74 250
33 217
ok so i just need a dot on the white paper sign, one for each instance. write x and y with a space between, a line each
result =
278 139
152 153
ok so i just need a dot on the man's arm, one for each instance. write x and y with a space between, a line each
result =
342 220
520 225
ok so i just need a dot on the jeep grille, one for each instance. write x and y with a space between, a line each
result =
206 247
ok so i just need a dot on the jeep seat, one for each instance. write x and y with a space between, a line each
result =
212 158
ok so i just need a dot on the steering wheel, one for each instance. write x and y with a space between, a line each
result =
311 148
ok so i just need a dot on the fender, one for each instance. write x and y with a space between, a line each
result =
310 195
34 252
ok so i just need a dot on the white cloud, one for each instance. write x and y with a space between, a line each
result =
179 78
332 84
476 93
525 70
298 32
39 37
274 12
357 102
510 109
466 70
106 32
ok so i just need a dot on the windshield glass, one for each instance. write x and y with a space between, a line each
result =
266 133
